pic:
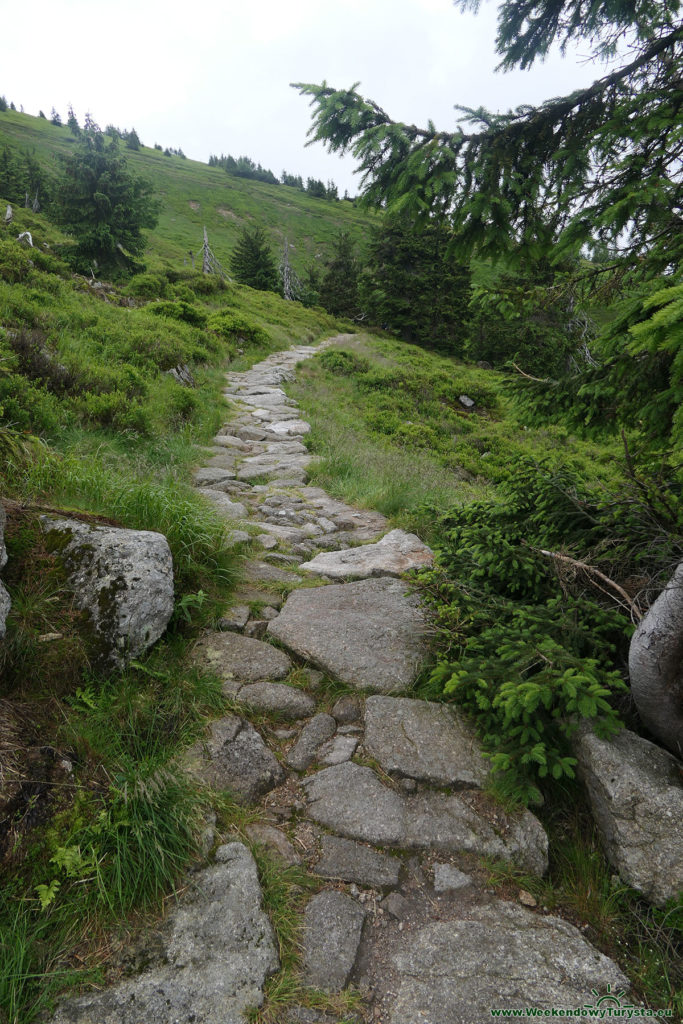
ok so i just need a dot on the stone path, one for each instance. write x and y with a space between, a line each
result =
378 794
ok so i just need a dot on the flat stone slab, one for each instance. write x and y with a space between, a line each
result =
352 862
240 659
496 956
235 618
351 801
230 441
290 428
393 555
219 950
288 701
636 793
424 741
320 728
275 840
288 534
264 572
234 757
449 879
333 923
369 635
467 823
228 508
210 476
337 750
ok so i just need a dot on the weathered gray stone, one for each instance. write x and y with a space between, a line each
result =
3 549
636 794
459 824
122 579
344 516
396 905
222 458
304 1015
234 619
313 734
369 635
425 741
236 658
275 840
353 862
219 952
347 709
230 441
288 701
332 929
5 608
256 628
498 955
350 799
285 446
447 878
266 541
291 428
263 572
393 555
337 750
251 433
5 600
228 508
273 465
289 534
235 537
212 476
234 757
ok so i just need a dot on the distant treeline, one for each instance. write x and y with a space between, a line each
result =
244 167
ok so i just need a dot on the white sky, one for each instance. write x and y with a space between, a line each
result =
213 76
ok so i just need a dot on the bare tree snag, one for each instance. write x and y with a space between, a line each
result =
206 255
656 666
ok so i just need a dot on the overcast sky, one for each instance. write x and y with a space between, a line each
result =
213 76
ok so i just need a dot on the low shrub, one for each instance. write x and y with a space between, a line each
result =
148 286
180 310
343 363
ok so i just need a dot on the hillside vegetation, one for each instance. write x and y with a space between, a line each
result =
194 195
527 480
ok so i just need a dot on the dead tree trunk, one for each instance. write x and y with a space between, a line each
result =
206 255
656 666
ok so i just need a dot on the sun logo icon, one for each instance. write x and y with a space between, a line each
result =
611 999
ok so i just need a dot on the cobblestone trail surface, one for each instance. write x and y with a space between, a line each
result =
377 793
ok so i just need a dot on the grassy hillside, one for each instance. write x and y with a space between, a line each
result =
194 195
93 423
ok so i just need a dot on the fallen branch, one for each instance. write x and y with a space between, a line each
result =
538 380
636 614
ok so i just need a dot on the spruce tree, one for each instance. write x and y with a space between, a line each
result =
606 160
339 286
252 262
104 206
415 286
72 122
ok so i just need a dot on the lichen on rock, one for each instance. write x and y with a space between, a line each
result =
122 579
